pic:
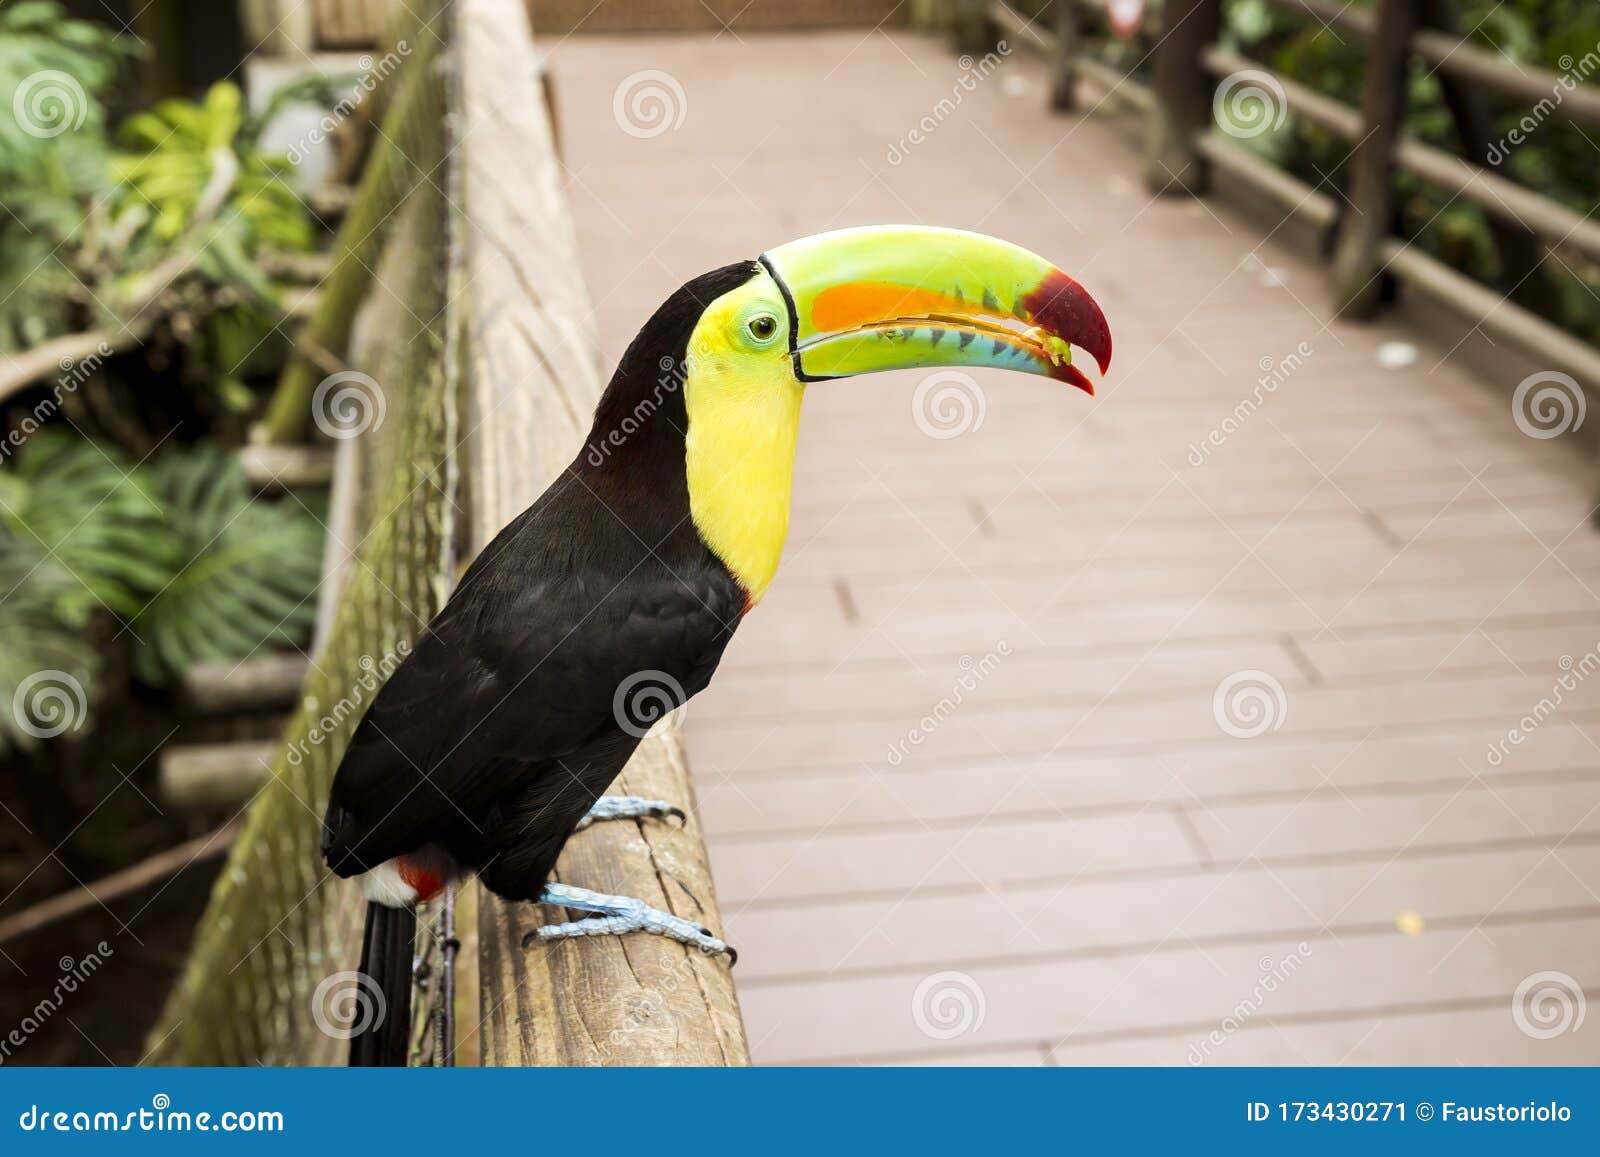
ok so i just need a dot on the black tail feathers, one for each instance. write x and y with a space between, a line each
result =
387 949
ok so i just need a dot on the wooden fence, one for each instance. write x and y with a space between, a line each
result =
1184 146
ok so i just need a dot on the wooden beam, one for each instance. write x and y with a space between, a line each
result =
1183 92
1115 86
287 467
1265 178
109 889
1450 54
215 775
1069 46
267 682
1501 199
1502 319
529 363
1516 244
1357 287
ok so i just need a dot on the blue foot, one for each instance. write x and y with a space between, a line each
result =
629 807
617 915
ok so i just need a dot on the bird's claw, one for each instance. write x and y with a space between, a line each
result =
618 915
628 807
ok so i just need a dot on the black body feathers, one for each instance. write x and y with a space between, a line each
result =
503 725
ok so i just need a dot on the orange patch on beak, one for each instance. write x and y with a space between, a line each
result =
855 304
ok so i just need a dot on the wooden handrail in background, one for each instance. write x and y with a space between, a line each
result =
1182 146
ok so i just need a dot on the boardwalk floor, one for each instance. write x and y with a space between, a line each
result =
1089 859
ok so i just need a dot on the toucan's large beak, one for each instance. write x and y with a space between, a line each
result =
889 297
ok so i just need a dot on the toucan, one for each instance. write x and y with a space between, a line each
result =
609 601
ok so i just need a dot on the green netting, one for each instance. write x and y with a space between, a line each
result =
257 987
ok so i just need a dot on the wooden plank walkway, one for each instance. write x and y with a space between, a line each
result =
1080 852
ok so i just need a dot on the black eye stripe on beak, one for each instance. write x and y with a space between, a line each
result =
794 324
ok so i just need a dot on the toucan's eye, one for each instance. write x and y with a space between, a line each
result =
763 327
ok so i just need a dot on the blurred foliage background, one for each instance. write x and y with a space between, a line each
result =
144 318
1557 158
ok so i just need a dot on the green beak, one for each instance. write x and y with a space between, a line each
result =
890 297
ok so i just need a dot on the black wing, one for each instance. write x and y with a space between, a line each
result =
512 676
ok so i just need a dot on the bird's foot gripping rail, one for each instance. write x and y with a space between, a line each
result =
618 915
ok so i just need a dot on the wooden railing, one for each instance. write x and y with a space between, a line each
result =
463 300
1184 146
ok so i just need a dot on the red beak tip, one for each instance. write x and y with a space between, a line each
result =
1064 307
1073 376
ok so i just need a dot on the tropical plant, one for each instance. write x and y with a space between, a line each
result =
54 75
166 228
176 555
249 574
71 504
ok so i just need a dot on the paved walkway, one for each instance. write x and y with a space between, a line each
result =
1071 859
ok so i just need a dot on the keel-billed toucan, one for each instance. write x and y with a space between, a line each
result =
612 597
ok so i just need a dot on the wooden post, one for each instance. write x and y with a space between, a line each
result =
1357 265
1069 45
1183 92
972 31
1519 248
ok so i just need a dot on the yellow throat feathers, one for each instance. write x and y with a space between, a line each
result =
744 416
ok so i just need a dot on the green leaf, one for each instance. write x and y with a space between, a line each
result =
249 572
